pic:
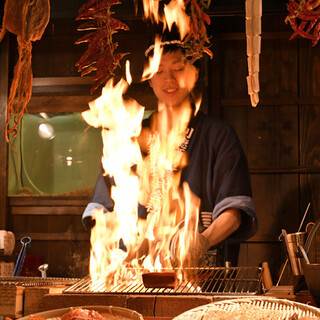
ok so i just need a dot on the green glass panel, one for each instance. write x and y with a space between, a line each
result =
54 154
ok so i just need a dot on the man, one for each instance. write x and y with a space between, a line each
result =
216 172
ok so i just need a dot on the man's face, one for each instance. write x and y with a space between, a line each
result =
174 80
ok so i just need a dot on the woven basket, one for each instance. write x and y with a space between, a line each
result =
285 307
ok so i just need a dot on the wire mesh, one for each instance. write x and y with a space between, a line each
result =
208 280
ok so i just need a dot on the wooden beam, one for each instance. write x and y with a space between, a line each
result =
67 236
4 63
278 101
287 170
61 81
59 103
46 201
44 211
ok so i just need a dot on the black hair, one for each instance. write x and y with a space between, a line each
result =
171 42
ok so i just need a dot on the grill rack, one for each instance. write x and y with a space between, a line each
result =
204 281
36 281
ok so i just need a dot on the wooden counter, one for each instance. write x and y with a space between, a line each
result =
30 300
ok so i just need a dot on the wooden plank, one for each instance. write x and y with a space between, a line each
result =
264 238
310 193
27 223
273 137
47 224
214 98
11 301
276 198
268 136
274 254
288 170
238 118
270 102
67 236
52 103
61 81
310 183
68 258
4 63
279 67
233 69
265 35
309 64
59 103
310 135
42 210
48 201
32 298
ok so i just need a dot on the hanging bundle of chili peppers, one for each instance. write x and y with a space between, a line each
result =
100 56
197 40
304 18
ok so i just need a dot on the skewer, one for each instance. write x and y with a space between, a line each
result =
304 216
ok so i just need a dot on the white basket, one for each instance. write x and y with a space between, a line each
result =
286 308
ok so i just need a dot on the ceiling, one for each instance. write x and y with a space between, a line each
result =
62 9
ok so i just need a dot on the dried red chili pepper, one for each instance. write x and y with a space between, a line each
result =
99 56
304 19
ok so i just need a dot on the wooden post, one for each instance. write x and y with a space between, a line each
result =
4 63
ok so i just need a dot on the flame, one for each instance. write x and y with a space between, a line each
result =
153 180
121 124
189 233
128 74
151 10
175 13
154 61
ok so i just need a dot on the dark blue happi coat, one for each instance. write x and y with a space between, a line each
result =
217 172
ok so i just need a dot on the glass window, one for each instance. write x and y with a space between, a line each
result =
54 154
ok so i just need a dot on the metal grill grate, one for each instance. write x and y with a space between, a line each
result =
233 280
36 281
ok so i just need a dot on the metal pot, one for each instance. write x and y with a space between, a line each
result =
312 277
311 270
292 242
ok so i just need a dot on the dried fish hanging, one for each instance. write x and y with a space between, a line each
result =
99 56
253 31
27 19
304 18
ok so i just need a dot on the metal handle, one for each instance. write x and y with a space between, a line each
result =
43 269
26 241
311 235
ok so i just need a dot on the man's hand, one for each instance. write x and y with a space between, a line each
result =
195 252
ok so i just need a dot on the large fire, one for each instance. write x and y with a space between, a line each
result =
152 181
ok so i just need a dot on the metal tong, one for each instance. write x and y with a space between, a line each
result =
26 242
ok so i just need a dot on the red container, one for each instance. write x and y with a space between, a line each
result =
30 265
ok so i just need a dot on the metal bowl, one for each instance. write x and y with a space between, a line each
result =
109 312
312 276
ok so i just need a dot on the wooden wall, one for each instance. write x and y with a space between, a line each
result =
280 136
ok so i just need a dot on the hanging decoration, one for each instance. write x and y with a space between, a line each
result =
253 37
197 41
304 18
100 56
27 19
